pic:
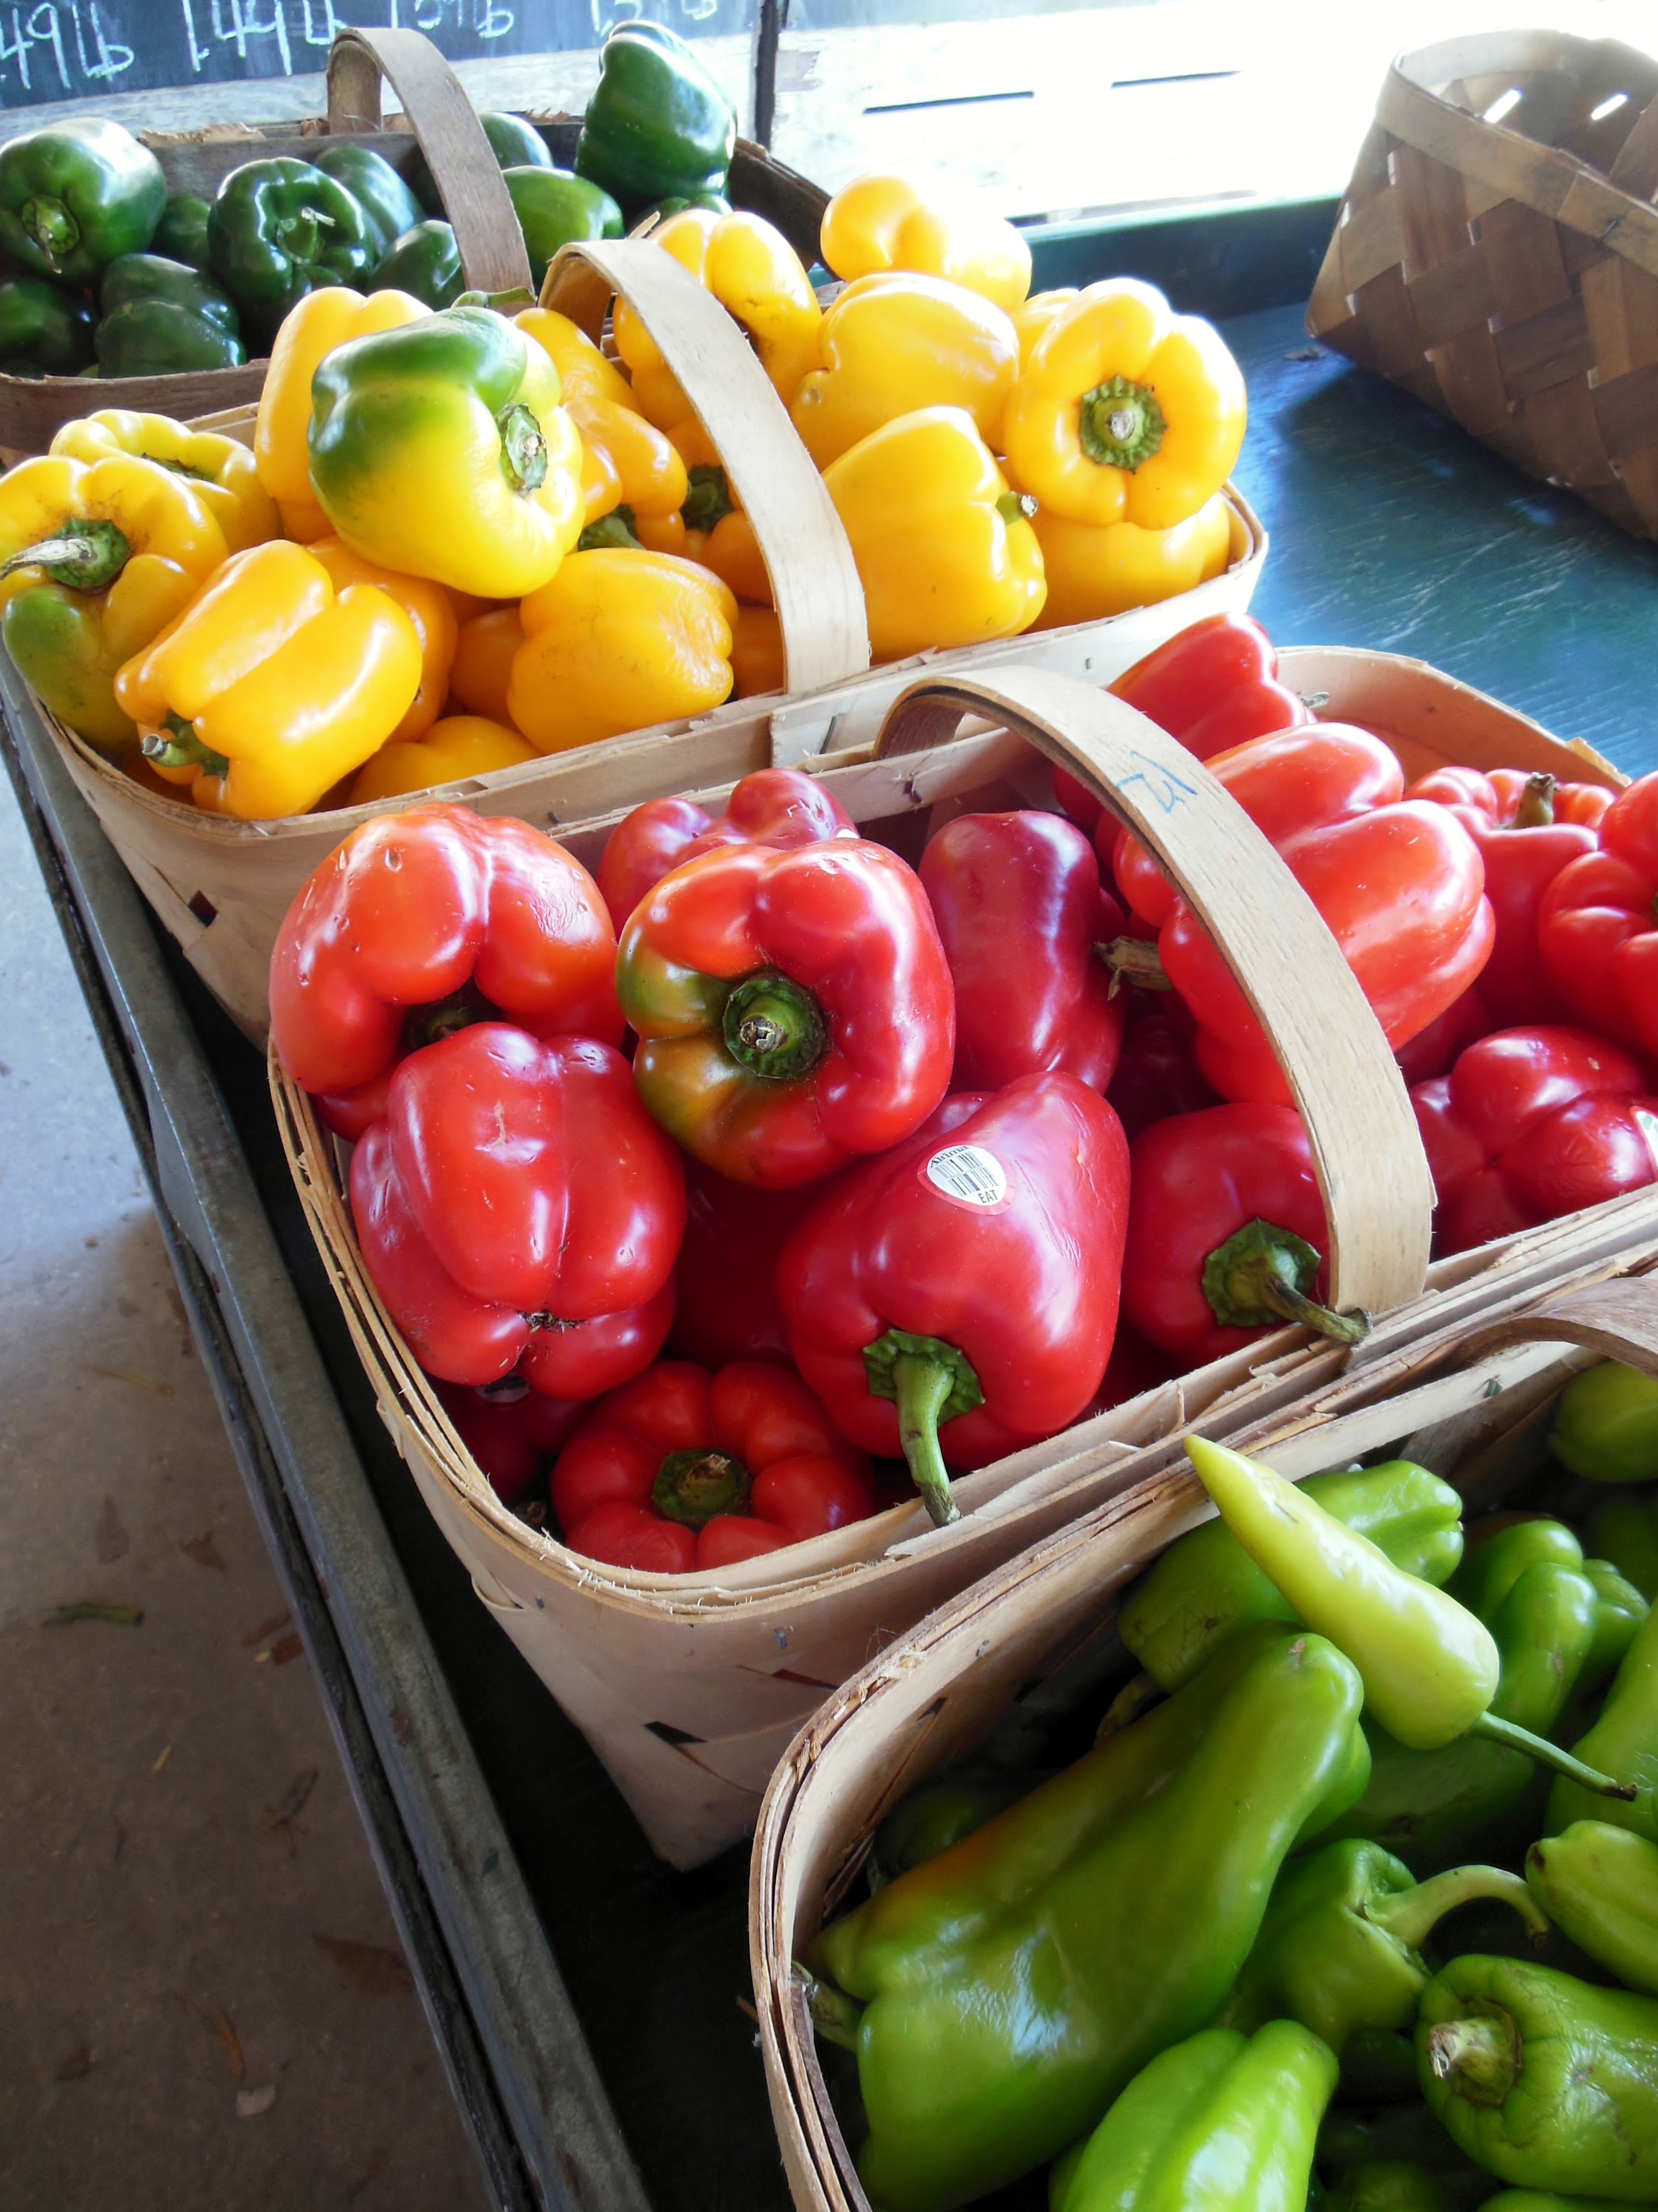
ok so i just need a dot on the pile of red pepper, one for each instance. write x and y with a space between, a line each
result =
894 1144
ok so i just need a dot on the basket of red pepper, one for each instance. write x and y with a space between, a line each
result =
863 1137
1142 1840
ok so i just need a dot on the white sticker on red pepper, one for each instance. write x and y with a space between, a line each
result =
968 1175
1647 1124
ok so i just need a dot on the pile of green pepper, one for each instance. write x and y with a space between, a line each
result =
1329 1915
108 276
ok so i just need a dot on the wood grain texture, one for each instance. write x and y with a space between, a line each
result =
1378 1195
820 603
1619 1320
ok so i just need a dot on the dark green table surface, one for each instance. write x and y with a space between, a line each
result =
1393 528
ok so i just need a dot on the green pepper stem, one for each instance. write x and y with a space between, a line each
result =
1133 960
84 556
709 500
692 1487
774 1027
1412 1914
1120 425
1478 2054
53 228
1536 807
614 532
1515 1738
178 746
835 2015
522 449
503 302
924 1386
1262 1273
1016 507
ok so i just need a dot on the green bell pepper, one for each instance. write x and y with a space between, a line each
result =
1625 1740
389 208
939 1813
1340 1947
1212 2123
425 262
56 641
1544 2081
1623 1609
1624 1529
157 338
44 331
1206 1585
1388 2185
1434 1807
281 228
74 196
659 125
137 277
1606 1425
515 143
1012 1987
1600 1884
181 234
1404 2134
1541 2200
553 207
1499 1550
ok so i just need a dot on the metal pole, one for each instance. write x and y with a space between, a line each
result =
774 14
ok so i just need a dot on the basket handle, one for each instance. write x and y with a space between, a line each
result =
814 578
1366 1154
493 256
1618 1319
1635 169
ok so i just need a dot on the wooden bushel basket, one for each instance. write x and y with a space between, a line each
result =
689 1686
1482 1389
1496 253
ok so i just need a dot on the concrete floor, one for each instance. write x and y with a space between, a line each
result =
203 2002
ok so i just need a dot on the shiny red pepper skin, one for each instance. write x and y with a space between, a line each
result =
780 806
618 1499
1520 863
1158 1074
1214 686
510 1430
413 909
1027 1290
1436 1050
1531 1124
725 1307
1399 883
1019 907
1197 1180
822 964
1597 928
517 1209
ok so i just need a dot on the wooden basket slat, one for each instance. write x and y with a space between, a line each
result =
1507 273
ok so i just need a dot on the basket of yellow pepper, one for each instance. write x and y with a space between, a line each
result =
1340 1716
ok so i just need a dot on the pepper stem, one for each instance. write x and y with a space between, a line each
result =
1016 507
85 557
51 226
709 499
506 302
1412 1914
931 1382
774 1027
613 531
1536 807
692 1487
178 746
1481 2055
1120 425
522 449
1133 960
1262 1273
833 2015
1515 1738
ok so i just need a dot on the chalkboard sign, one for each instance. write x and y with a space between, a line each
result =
76 49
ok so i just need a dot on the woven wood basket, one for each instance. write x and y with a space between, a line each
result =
1496 253
1474 1395
689 1687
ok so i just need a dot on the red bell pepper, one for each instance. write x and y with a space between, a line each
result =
1226 1233
1214 686
958 1298
725 1307
1399 882
1597 928
420 922
510 1430
516 1209
1527 828
1020 910
795 1009
1159 1073
780 806
1531 1124
1434 1050
679 1469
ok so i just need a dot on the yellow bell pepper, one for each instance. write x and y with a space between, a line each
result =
458 746
665 533
896 343
95 558
755 275
757 652
1125 412
272 687
945 549
732 551
427 607
1092 572
619 640
584 372
321 321
1032 318
221 471
483 666
880 223
622 446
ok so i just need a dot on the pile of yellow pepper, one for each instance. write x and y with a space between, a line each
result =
463 539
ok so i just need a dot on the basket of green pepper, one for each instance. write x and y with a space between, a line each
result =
1353 1888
